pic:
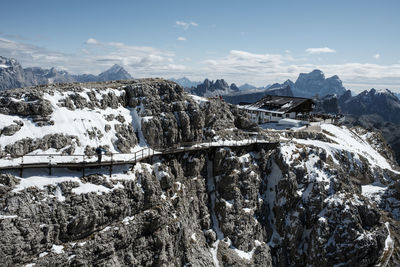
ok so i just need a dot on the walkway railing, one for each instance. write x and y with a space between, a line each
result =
82 161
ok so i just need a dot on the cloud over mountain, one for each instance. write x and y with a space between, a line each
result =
95 57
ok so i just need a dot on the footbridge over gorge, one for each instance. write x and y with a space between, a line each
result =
83 162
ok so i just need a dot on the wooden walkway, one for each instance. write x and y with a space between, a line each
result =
83 162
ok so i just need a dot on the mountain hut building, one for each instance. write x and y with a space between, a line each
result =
272 108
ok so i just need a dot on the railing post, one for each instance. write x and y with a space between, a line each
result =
111 163
151 158
83 166
50 165
22 166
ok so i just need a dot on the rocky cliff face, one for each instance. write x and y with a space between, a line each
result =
11 74
306 201
315 83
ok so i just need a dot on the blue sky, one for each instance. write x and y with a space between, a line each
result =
258 42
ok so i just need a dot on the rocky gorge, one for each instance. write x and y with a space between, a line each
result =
314 199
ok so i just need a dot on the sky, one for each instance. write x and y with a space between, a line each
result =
255 42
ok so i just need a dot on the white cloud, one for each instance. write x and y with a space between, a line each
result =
288 51
377 56
320 50
240 62
91 41
181 38
95 57
185 24
32 53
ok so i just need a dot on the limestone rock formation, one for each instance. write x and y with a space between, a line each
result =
327 197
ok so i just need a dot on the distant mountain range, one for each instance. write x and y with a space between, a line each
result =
307 85
373 102
313 84
12 75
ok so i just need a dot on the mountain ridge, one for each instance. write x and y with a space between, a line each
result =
12 75
380 102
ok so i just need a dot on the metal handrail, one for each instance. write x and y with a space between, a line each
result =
140 155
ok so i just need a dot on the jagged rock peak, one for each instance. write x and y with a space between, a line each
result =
316 74
115 68
210 88
116 72
234 87
8 62
315 83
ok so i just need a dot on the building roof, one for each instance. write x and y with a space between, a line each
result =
281 104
